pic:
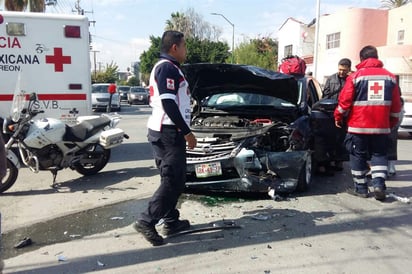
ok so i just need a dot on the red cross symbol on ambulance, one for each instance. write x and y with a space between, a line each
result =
376 88
58 59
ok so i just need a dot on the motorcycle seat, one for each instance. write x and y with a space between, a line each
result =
85 129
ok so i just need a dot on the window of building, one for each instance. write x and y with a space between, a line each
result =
333 40
288 50
401 36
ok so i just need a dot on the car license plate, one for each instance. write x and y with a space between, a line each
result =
208 170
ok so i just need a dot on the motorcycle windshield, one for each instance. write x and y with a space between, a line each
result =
19 102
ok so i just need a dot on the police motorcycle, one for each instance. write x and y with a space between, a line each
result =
50 144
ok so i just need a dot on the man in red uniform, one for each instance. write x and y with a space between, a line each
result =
372 102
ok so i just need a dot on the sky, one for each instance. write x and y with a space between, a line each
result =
121 28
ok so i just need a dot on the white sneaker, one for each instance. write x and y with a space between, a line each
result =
391 168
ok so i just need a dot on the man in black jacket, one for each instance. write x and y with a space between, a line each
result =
331 90
336 81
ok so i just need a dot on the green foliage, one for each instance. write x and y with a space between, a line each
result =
258 52
149 58
198 51
109 75
133 81
205 51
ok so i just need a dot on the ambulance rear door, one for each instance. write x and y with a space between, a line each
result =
47 54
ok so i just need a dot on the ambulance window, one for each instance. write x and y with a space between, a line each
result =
15 29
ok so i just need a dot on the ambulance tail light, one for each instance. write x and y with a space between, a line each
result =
72 31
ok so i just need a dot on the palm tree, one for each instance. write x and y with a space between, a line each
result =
176 22
391 4
21 5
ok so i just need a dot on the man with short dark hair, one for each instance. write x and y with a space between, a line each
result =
168 132
332 88
371 99
336 81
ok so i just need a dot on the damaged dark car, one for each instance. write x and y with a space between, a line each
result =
254 129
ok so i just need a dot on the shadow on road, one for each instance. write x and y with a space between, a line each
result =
102 180
281 225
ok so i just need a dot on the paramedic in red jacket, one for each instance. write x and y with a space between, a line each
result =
371 101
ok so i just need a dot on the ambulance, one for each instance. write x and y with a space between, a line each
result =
47 54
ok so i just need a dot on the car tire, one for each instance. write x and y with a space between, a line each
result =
305 176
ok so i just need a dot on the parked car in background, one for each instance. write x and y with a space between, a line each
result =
406 124
254 129
101 96
138 95
123 90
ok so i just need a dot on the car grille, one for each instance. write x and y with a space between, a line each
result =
102 99
209 150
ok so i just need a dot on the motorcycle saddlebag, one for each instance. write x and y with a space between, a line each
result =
111 138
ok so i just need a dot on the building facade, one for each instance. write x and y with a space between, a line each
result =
344 33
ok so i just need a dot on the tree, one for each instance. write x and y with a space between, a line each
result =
201 41
21 5
201 51
391 4
109 75
198 51
191 24
149 58
261 52
133 81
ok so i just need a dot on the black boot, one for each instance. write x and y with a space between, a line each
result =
149 233
175 227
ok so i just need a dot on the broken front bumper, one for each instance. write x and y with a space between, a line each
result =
248 171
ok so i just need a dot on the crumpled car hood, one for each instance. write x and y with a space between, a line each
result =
206 79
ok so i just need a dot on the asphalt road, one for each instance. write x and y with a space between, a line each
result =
84 225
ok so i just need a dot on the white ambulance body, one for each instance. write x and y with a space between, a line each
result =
47 54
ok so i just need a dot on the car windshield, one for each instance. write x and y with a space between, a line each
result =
100 89
138 90
124 88
243 99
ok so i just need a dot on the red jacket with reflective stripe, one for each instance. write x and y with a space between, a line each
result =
370 98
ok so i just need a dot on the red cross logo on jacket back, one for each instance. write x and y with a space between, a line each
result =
58 59
376 88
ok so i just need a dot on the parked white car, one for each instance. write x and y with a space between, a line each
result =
101 96
406 124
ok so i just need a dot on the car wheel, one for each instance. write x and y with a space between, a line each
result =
305 175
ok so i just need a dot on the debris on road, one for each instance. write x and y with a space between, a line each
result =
26 241
399 198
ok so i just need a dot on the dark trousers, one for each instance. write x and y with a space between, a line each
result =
361 147
169 151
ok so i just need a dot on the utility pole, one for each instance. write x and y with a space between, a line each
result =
233 34
94 61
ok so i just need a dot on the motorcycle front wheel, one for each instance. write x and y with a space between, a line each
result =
95 159
10 178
